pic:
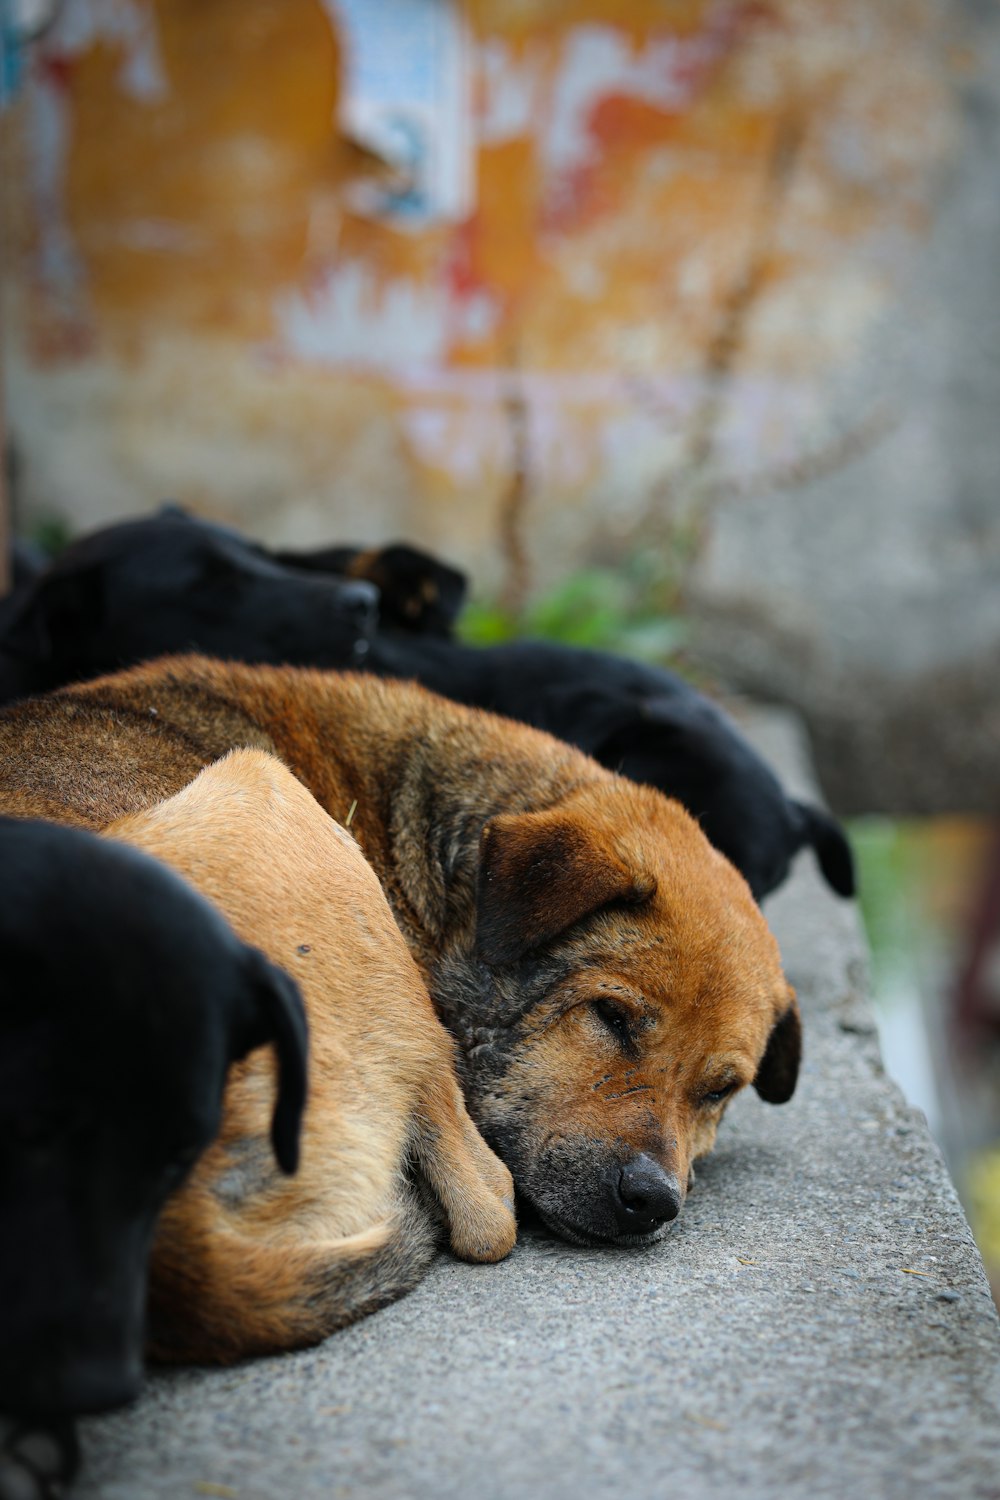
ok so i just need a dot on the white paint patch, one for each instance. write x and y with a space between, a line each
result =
579 427
160 235
598 61
79 24
352 320
407 97
510 93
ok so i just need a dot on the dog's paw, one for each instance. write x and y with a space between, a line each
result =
37 1461
485 1231
482 1222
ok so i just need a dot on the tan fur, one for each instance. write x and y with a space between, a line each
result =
534 889
247 1260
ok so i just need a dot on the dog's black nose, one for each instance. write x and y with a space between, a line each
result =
358 600
647 1196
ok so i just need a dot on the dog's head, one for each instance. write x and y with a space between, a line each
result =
126 996
418 593
637 989
172 583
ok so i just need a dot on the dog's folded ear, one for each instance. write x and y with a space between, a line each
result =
422 593
538 874
832 849
279 1018
779 1067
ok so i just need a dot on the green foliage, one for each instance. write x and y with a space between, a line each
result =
52 534
626 609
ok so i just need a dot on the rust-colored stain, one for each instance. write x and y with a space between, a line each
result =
196 206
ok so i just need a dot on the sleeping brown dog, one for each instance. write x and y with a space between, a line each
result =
607 975
247 1260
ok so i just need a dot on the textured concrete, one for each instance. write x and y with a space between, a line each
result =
816 1324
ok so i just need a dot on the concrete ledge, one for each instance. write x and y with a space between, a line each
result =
816 1324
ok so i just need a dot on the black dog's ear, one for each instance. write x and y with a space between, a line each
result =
56 607
538 874
778 1072
419 593
832 849
280 1018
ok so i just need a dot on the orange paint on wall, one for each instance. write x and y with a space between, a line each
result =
196 206
201 215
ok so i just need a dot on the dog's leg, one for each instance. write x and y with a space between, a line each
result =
472 1184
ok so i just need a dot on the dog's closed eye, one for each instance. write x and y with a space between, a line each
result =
714 1097
616 1020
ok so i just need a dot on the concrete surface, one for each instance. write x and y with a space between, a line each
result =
816 1324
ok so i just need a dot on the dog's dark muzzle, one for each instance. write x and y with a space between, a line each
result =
597 1197
643 1196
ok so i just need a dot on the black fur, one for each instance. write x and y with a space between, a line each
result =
417 592
125 998
171 582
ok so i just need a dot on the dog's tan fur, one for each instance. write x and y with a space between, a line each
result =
539 894
247 1260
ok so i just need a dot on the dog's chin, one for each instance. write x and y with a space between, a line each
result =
577 1234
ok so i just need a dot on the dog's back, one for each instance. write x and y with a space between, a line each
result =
246 1261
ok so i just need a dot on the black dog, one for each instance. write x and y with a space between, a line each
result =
170 582
125 998
643 721
417 593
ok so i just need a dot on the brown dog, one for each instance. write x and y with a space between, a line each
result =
607 975
247 1260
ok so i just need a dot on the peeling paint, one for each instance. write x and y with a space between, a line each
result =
616 159
355 318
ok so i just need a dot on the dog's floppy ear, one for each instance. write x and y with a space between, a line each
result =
538 874
779 1067
419 593
832 849
281 1019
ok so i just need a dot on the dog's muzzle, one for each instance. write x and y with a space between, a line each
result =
644 1196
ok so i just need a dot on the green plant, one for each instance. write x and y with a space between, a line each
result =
51 534
615 609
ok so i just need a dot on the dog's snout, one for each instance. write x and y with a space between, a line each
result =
647 1196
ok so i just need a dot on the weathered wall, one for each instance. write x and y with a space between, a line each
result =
867 592
663 236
